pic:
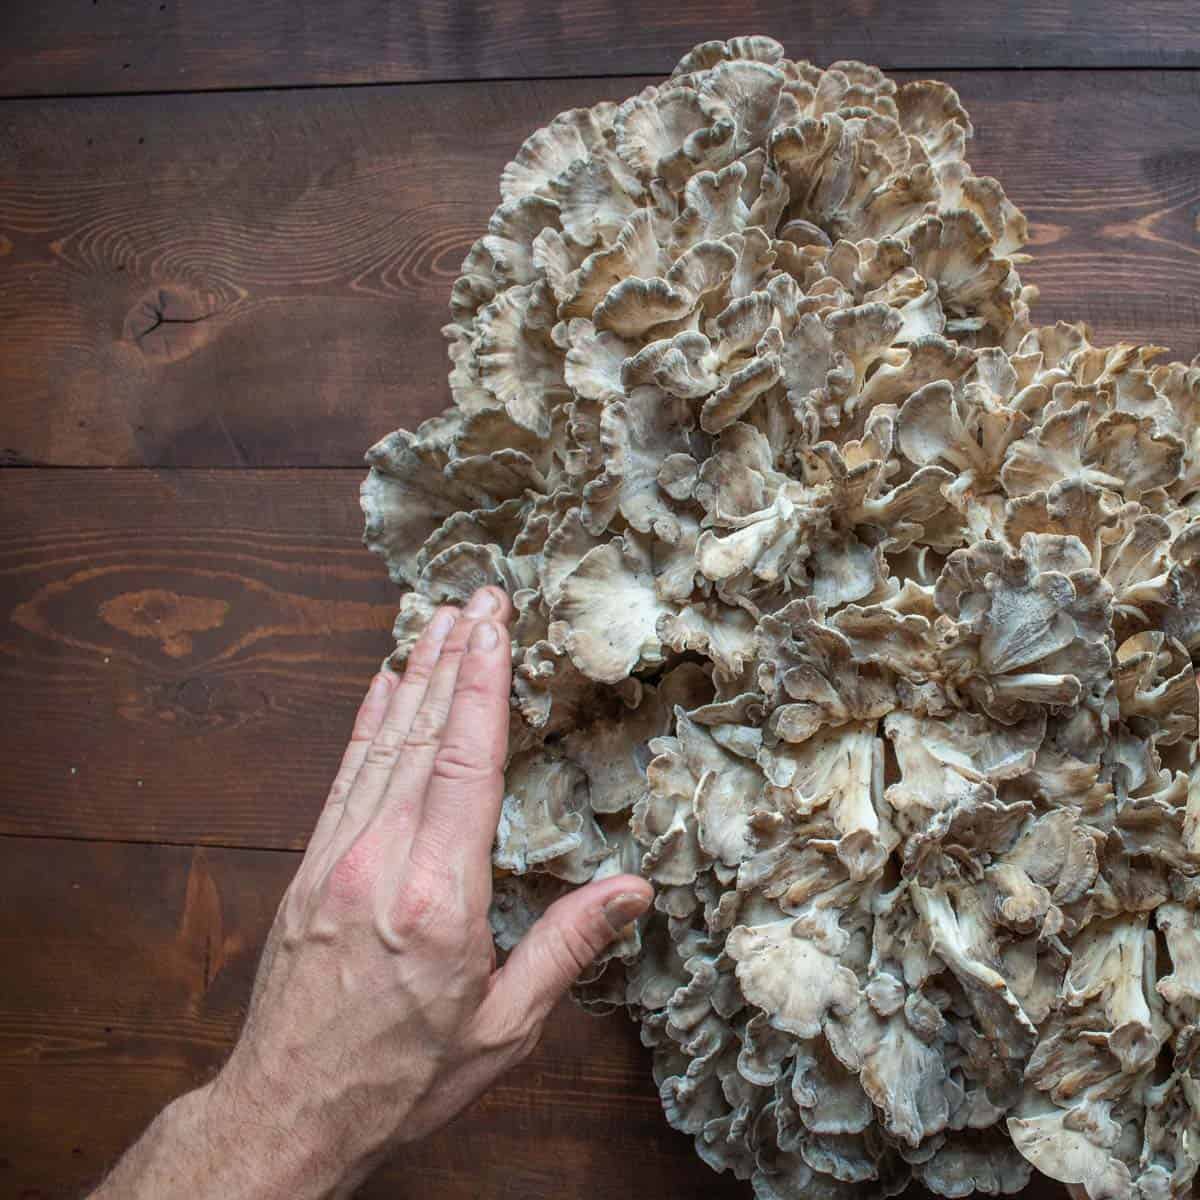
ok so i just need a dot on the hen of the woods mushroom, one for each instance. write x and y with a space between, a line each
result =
855 611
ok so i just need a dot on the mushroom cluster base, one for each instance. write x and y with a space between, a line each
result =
855 611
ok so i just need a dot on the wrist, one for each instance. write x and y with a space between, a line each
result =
268 1145
206 1144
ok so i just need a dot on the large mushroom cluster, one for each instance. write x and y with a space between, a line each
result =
855 611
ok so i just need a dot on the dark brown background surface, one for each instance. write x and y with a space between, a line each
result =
227 236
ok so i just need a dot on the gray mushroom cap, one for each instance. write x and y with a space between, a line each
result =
855 611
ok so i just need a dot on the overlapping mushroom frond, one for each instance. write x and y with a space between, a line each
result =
854 611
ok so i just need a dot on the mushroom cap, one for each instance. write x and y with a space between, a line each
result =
855 611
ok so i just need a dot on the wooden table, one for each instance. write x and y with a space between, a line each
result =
227 237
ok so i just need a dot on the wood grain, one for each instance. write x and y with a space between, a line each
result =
127 969
181 653
259 279
126 972
64 46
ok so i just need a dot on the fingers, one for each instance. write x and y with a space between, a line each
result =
401 807
560 946
366 725
466 783
385 748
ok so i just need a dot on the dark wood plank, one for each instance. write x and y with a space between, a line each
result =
126 969
181 652
300 248
69 46
126 973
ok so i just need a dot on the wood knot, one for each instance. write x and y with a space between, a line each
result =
170 322
165 616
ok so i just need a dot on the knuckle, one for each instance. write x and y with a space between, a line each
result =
421 909
352 877
456 647
426 730
339 789
516 1037
460 764
418 670
362 731
381 754
474 686
431 854
571 949
390 734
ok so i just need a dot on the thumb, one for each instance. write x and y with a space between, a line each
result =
564 942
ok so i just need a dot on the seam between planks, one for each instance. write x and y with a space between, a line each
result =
160 468
180 845
360 84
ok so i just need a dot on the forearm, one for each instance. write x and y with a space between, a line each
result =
208 1143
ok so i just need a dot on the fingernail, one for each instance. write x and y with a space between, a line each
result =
625 907
482 604
380 685
484 636
441 625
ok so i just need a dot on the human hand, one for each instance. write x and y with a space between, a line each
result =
378 1012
